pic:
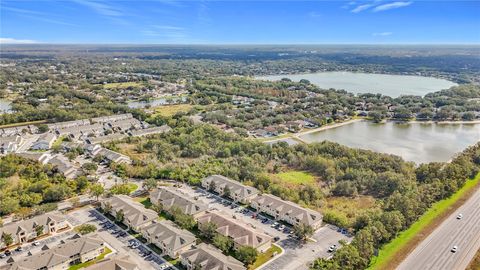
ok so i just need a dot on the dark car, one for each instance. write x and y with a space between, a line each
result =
276 238
8 252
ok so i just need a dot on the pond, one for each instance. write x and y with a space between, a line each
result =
390 85
155 102
5 106
418 142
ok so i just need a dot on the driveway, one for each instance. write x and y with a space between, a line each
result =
298 256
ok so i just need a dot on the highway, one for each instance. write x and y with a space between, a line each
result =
435 251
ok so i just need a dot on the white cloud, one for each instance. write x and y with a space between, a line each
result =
16 41
392 5
361 8
166 32
101 8
382 34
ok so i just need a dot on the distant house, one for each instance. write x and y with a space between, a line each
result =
64 166
207 257
168 237
289 212
26 230
242 234
150 131
113 156
69 124
112 118
170 197
135 215
10 144
105 138
76 132
44 142
231 188
63 256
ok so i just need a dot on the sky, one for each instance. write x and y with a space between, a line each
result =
240 22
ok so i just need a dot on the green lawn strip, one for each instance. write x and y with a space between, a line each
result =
23 124
132 187
145 201
296 177
389 251
264 257
85 264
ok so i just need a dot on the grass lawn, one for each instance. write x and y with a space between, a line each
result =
23 124
169 110
391 251
85 264
295 177
264 257
121 85
58 141
144 200
132 187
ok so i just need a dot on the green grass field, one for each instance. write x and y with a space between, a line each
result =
295 177
264 257
89 263
121 85
169 110
389 251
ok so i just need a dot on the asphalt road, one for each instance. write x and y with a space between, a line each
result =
435 251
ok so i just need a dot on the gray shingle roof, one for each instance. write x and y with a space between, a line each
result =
170 197
134 212
166 234
61 254
241 233
210 258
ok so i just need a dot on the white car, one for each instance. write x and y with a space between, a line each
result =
460 216
36 243
332 248
454 249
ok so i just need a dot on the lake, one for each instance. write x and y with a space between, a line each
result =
154 102
418 142
390 85
5 106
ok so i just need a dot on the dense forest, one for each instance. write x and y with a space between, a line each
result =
401 190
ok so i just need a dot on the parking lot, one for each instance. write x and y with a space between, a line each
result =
278 231
120 239
297 255
36 246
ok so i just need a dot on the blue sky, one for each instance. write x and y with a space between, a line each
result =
240 22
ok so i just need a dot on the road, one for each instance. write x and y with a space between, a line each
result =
435 251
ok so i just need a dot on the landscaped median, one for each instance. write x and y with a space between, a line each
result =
85 264
398 249
263 258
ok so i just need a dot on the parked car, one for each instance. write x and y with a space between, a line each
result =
454 249
460 216
8 252
332 248
276 238
275 224
19 248
36 243
2 255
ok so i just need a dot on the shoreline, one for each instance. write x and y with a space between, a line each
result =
297 136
